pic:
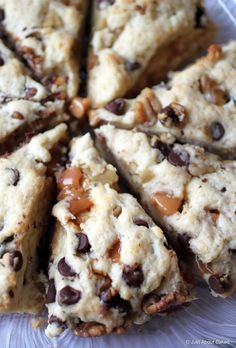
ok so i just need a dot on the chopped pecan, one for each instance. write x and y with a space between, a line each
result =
79 107
17 115
146 106
214 52
90 329
153 303
213 93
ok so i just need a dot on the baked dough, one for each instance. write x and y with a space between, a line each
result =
26 190
188 191
110 265
135 43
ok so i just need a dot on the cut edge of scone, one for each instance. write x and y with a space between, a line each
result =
175 183
195 106
24 214
133 46
100 277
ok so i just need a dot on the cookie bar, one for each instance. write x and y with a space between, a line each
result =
110 264
46 33
24 212
189 192
25 104
135 44
196 106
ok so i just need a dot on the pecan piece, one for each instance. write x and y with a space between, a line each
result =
153 303
214 52
90 329
79 107
213 93
146 106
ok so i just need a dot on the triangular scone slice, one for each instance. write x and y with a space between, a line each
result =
196 106
46 34
135 43
110 265
25 104
25 207
189 192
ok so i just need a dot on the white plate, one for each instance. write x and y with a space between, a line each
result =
207 322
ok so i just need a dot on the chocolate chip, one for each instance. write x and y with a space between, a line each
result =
1 61
131 66
217 131
8 239
164 148
133 275
11 294
199 16
223 189
173 114
117 106
2 15
178 157
55 320
51 293
64 269
16 260
30 92
115 301
219 284
14 176
83 243
141 222
69 295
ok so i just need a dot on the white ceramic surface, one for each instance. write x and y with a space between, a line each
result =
209 322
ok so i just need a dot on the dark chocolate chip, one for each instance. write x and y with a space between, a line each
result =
164 148
1 61
117 106
8 239
132 66
217 131
64 269
16 260
2 15
141 222
83 243
55 320
51 293
14 176
11 294
133 275
198 16
69 296
171 114
223 189
115 301
219 284
178 157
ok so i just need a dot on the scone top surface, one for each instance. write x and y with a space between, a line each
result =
197 105
191 192
126 35
23 218
107 254
46 35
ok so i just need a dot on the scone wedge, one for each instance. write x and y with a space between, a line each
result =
46 34
197 105
25 208
25 104
135 43
190 192
110 265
